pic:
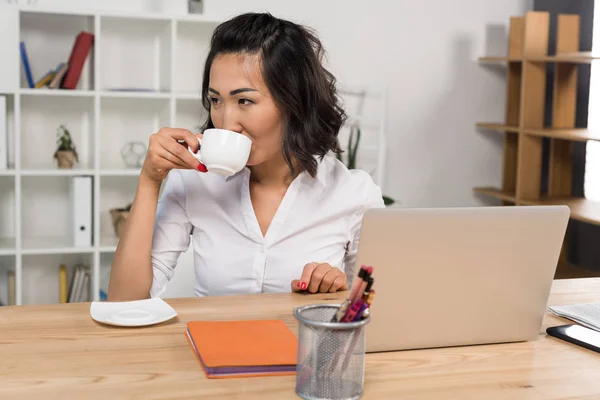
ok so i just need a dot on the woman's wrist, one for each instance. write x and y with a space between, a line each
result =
145 182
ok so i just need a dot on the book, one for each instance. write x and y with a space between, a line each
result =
228 349
26 67
79 287
62 279
79 54
59 73
45 80
586 314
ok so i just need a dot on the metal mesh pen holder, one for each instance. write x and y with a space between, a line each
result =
331 355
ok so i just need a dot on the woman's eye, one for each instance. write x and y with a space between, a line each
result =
214 100
245 102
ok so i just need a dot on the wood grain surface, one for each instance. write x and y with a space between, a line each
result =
59 352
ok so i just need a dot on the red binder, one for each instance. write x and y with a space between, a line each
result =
81 49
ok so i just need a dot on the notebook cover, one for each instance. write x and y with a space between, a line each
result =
243 348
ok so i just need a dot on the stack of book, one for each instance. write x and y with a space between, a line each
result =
67 73
79 290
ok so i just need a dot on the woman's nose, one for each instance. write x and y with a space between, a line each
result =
231 121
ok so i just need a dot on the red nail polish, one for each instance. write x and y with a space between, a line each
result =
303 285
202 168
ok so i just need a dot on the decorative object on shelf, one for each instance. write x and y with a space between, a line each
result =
119 217
66 152
133 154
195 6
353 141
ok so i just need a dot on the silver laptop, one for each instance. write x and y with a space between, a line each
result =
459 276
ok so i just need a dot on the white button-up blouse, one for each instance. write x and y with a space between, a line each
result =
318 220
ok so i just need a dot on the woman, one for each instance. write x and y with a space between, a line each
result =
290 219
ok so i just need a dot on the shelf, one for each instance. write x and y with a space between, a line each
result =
499 59
139 54
187 96
121 172
8 222
52 245
115 192
495 193
144 72
577 134
38 268
7 246
569 58
41 116
56 92
581 209
128 15
190 115
7 172
134 94
49 38
53 170
192 41
573 134
127 120
497 127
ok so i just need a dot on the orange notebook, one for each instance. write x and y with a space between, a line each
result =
228 349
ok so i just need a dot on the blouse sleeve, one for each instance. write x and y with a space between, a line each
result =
372 199
172 230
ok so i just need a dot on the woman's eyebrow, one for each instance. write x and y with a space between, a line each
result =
233 92
242 90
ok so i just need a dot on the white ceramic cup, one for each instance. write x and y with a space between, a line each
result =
223 152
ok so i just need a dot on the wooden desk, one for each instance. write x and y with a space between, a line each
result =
58 351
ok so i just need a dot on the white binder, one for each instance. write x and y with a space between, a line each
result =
81 198
3 134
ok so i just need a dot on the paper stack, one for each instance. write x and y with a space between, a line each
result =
586 314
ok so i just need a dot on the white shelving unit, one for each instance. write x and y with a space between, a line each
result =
162 55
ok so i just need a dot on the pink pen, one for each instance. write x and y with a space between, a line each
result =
352 311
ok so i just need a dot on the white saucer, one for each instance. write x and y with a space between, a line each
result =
132 313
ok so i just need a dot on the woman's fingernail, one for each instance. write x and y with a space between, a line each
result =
202 167
303 285
196 152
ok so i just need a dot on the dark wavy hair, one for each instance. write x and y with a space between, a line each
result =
291 58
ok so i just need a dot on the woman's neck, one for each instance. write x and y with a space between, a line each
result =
272 172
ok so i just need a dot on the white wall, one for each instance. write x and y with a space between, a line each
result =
426 52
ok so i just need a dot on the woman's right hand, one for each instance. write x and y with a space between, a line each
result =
166 153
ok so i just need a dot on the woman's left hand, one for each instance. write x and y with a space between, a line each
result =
321 278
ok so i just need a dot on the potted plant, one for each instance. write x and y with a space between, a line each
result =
353 141
66 152
119 217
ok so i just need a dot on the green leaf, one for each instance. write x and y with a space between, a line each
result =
388 200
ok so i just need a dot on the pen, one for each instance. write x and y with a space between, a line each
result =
356 285
371 297
353 293
363 285
352 311
367 290
360 315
